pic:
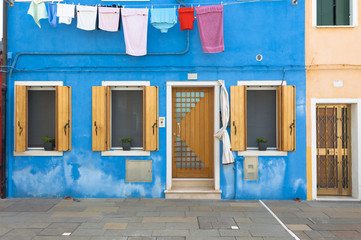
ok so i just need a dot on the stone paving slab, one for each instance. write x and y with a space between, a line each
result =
311 220
115 226
161 219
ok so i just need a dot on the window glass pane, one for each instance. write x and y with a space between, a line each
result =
261 116
127 117
41 116
342 12
325 13
333 12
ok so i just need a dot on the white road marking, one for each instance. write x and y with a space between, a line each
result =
282 224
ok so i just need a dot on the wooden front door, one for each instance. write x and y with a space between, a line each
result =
333 149
192 132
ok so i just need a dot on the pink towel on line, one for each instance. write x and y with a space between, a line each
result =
109 18
210 24
135 28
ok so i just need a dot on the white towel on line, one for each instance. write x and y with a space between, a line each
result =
65 12
87 17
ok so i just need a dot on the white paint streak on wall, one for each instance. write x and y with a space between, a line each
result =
228 181
156 158
93 182
39 183
301 106
271 179
158 188
299 183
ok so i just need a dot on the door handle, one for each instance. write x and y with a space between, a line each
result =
235 128
179 129
96 128
20 127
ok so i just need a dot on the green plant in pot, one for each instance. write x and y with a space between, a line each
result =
262 143
49 143
126 143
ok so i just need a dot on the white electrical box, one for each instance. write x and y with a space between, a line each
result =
161 122
250 165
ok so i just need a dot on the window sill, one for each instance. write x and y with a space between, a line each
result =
336 26
40 153
126 153
268 153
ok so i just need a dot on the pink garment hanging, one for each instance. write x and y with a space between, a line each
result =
210 24
135 28
109 18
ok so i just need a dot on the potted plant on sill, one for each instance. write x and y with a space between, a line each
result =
49 143
262 143
126 143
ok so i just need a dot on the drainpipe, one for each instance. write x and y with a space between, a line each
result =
3 101
235 167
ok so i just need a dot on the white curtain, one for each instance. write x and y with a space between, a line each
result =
222 134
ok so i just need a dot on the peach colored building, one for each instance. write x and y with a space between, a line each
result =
333 99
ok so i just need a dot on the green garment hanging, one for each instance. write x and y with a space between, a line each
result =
38 11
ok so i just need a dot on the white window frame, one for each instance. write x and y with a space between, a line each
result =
353 17
272 88
263 85
36 85
125 85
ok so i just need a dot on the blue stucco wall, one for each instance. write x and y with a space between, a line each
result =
273 29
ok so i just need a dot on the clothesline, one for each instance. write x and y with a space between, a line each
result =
199 3
178 4
135 22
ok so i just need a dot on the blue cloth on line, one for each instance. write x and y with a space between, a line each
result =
52 7
163 18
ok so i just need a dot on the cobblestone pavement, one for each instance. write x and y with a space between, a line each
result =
160 219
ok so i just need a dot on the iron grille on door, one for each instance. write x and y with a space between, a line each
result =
333 150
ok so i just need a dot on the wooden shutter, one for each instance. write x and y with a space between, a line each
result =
21 118
286 118
343 12
325 15
101 119
239 118
63 118
150 118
